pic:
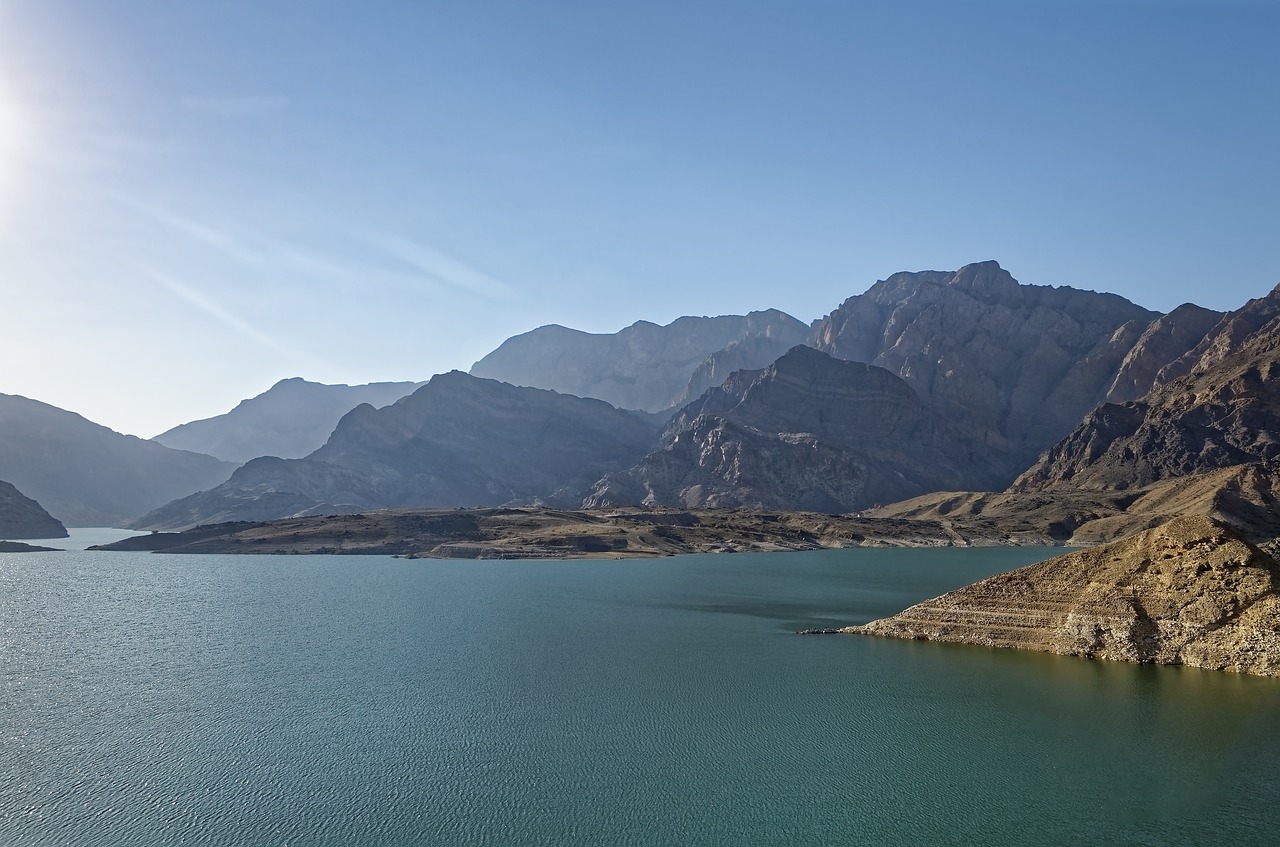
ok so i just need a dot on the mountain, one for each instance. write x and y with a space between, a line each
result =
22 517
644 366
1224 411
291 419
87 475
1168 338
1016 366
1189 592
808 432
458 440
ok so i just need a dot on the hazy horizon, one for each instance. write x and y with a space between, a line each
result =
196 202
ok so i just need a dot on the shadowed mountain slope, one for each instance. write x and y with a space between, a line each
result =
22 517
87 475
458 440
807 432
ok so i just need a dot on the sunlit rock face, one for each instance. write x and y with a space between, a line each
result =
1223 411
1015 365
1189 592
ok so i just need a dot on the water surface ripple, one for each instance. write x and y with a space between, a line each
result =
216 700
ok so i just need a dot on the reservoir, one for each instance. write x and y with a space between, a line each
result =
323 700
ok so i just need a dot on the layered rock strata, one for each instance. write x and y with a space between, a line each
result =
1189 592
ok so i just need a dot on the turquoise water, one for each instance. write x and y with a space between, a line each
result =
215 700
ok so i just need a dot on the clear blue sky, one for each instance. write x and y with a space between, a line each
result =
197 199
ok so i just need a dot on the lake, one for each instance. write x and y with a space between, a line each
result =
291 700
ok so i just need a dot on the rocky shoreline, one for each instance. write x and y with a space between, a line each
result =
1189 592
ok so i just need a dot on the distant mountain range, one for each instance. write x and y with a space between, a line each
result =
645 366
929 381
289 420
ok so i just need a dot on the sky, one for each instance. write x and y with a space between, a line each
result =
200 199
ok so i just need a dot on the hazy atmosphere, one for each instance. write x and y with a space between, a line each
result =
197 200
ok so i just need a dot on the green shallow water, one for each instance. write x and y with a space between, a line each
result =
216 700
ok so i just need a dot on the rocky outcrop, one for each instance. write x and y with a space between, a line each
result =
457 441
644 366
1244 497
1224 411
1164 341
87 475
1236 329
291 419
22 517
1016 366
1189 592
810 432
753 352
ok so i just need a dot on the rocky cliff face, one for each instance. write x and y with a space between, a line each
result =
1224 411
88 475
644 366
1014 365
291 419
458 440
810 432
1165 340
1189 592
22 517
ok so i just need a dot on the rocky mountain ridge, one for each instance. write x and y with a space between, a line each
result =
810 432
1015 365
458 440
1223 411
644 366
